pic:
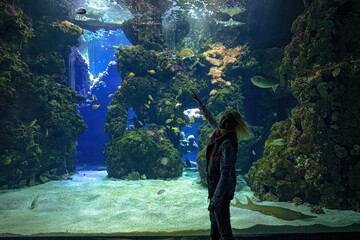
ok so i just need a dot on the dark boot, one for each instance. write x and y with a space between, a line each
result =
222 216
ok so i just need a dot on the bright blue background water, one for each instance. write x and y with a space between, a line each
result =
101 47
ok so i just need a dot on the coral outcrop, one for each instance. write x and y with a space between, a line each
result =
145 30
158 85
39 122
144 152
312 155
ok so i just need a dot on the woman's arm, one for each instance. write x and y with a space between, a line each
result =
207 113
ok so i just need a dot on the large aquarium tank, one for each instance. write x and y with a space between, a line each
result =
100 135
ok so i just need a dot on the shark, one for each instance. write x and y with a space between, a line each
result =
278 212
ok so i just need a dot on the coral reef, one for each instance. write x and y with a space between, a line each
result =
157 87
39 121
169 79
145 30
143 151
316 161
220 56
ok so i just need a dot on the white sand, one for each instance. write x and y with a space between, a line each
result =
92 203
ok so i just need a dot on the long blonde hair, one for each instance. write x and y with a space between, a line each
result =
238 125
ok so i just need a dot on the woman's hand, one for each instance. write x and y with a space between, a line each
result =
195 97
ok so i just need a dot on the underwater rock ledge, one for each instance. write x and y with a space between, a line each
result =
318 160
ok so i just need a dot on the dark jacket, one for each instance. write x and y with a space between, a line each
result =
220 167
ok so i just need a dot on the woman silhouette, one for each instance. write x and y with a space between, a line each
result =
220 167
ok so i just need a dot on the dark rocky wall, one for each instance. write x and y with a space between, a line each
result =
318 160
39 122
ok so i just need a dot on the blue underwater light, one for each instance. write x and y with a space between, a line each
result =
99 48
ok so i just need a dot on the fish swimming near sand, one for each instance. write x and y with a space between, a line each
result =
278 212
262 82
161 191
34 202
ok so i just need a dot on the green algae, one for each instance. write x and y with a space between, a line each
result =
32 78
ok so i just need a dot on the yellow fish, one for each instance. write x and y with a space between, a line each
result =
253 152
181 121
131 74
147 105
110 95
149 102
151 71
93 98
168 65
32 123
172 115
96 106
168 127
169 120
178 104
189 125
179 93
192 119
202 117
168 102
125 82
278 142
119 87
151 98
176 130
112 106
47 133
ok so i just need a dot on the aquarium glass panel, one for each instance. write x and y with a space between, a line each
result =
179 119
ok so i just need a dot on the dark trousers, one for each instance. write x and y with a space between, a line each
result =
220 222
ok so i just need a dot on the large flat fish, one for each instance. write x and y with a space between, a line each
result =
278 212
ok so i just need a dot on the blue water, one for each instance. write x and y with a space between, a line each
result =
191 131
100 48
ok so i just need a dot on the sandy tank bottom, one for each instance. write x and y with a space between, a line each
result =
91 203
